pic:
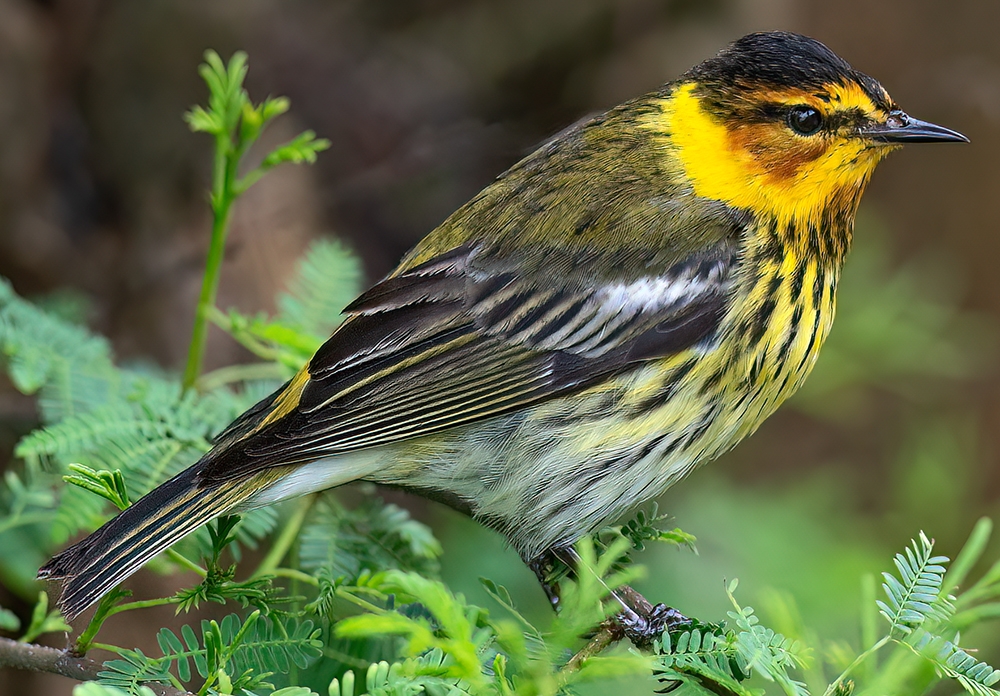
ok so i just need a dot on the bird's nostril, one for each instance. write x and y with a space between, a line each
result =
898 119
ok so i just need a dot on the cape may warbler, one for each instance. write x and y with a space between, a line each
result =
626 303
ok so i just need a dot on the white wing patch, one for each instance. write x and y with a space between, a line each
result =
655 294
615 306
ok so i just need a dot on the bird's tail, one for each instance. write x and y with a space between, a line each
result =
91 567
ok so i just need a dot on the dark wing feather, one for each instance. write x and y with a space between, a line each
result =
458 339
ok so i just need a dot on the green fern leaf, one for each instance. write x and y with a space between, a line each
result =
132 670
975 676
371 537
916 597
70 368
327 280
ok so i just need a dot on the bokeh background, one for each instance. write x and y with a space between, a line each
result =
102 194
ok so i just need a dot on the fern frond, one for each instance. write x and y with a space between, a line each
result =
408 678
327 280
444 620
701 654
98 689
131 670
759 648
252 648
69 367
915 597
975 676
371 537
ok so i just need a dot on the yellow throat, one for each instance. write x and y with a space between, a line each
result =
766 168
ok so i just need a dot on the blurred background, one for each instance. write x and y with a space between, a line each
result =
102 193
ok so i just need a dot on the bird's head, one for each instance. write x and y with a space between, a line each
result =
778 123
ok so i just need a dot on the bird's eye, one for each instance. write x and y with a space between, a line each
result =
804 120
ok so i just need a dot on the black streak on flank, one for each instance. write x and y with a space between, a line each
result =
762 316
666 391
798 280
812 338
793 330
818 285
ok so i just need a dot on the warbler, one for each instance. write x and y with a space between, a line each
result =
623 305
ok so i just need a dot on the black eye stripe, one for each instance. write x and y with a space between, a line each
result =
804 120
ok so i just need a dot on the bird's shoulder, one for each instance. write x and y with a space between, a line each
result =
604 194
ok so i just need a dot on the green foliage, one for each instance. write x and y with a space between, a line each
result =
701 657
326 280
235 121
219 584
407 678
9 621
642 528
43 620
452 647
344 543
109 485
236 125
98 689
916 597
246 651
69 368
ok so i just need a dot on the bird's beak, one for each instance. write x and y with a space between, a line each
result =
900 128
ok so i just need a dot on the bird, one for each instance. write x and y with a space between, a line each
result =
623 305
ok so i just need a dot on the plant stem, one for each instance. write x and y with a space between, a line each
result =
142 605
354 599
216 316
857 661
239 373
224 174
295 575
288 535
182 560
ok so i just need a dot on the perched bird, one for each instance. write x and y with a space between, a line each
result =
623 305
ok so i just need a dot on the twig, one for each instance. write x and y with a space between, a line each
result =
39 658
611 630
608 633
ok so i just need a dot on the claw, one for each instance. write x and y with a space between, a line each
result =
642 628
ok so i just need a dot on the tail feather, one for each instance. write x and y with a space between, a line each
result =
94 565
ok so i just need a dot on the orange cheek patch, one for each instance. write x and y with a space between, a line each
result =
762 167
775 154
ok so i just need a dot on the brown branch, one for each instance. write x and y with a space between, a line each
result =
39 658
607 634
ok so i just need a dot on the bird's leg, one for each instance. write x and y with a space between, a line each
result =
543 566
638 620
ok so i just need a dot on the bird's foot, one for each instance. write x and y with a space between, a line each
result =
639 620
642 622
643 629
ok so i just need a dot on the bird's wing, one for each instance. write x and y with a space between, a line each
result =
469 335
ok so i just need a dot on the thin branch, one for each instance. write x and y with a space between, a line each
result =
39 658
608 633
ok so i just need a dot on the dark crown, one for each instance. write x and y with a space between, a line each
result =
779 59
